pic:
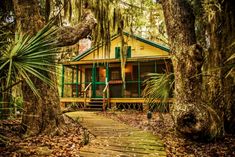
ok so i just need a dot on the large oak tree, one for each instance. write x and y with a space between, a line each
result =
201 34
43 115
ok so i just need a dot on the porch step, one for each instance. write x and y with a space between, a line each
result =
93 109
95 104
97 99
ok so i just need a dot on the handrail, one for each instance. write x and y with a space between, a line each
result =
87 87
85 92
105 95
105 88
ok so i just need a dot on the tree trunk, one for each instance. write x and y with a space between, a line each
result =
221 88
5 100
192 115
43 115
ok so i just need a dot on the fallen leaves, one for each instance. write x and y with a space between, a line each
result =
174 145
43 145
69 144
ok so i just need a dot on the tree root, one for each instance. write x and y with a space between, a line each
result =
197 122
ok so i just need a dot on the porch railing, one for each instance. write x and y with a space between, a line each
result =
105 96
85 93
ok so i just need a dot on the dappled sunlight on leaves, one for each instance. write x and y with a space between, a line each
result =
175 145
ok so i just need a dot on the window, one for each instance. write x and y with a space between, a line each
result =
118 51
115 73
128 55
145 69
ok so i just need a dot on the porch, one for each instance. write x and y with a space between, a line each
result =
98 84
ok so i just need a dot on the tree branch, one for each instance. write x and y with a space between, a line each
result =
71 35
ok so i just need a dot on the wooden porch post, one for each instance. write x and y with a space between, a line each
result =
107 72
80 75
107 78
139 81
72 85
93 80
76 80
62 82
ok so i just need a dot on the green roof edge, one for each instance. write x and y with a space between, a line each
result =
148 42
87 52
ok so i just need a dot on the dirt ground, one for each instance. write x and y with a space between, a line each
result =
175 146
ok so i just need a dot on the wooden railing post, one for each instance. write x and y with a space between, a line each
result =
103 107
85 99
108 96
85 93
105 96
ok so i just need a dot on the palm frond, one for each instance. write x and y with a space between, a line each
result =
30 56
231 57
158 87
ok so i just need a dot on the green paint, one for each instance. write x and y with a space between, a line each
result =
72 75
117 52
139 82
148 42
96 83
77 81
93 80
128 52
62 82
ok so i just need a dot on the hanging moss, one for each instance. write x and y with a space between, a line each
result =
113 16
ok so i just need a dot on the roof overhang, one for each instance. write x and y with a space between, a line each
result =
137 59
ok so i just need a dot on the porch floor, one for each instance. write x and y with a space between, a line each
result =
116 139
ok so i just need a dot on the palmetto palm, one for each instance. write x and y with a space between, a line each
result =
29 56
231 65
158 86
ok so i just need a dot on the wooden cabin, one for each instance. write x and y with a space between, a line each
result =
93 78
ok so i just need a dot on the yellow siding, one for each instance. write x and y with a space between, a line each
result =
139 49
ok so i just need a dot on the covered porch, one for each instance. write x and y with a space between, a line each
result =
85 82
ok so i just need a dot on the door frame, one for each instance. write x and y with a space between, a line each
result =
94 79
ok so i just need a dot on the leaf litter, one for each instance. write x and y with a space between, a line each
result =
69 144
175 145
66 145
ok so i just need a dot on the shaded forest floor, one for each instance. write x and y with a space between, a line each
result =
175 146
70 143
67 145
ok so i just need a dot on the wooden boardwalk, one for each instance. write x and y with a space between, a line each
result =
115 139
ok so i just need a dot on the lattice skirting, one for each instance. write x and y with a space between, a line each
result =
129 106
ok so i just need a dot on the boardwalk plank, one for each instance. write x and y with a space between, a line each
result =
115 139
